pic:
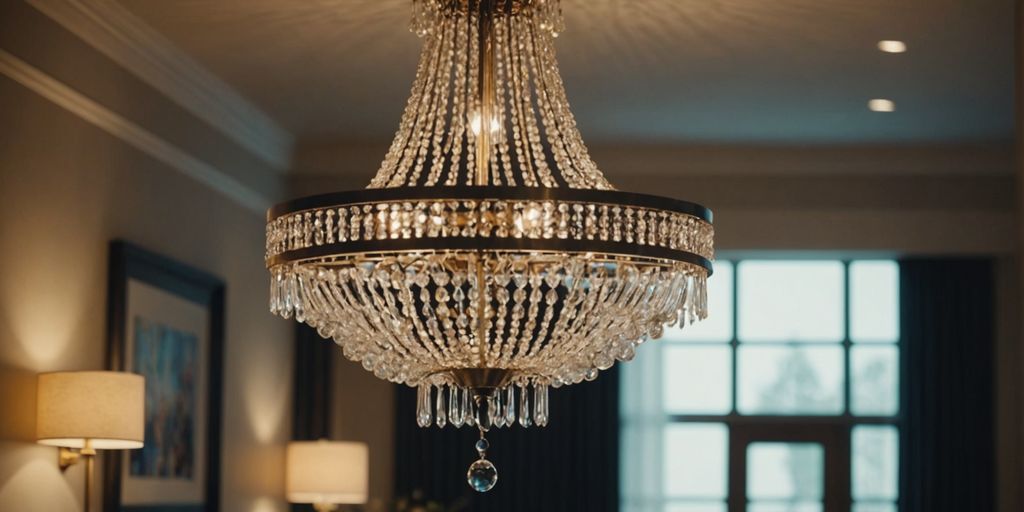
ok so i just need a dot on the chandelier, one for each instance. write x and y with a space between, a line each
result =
489 259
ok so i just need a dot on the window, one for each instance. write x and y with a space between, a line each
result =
785 400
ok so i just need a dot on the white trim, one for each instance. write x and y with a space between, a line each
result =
131 133
129 41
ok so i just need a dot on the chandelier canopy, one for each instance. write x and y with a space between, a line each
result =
489 259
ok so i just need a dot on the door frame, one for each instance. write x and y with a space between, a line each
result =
833 436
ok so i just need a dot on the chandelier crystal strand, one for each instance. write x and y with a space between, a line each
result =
489 257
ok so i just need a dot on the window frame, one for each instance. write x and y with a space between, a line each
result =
755 427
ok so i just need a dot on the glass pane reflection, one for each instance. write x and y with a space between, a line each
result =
767 506
698 379
791 471
791 301
874 301
790 380
875 451
712 506
874 380
695 460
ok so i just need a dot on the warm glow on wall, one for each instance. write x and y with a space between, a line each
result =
30 468
265 395
45 301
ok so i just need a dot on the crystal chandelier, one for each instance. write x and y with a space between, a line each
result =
489 259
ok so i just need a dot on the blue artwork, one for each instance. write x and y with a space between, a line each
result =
168 359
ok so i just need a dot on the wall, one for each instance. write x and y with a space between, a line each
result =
363 410
1016 480
71 182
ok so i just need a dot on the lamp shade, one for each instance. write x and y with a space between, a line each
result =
105 408
327 472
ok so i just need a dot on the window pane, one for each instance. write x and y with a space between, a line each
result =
787 471
695 460
707 506
639 477
874 507
698 379
874 380
874 301
790 380
718 325
791 301
767 506
875 462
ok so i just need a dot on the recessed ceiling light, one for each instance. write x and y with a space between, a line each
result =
892 46
882 105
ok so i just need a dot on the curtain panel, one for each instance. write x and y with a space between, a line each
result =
571 464
948 436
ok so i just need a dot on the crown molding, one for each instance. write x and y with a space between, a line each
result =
130 42
129 132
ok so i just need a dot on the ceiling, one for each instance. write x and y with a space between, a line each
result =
652 71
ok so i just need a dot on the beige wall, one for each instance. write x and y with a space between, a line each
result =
363 410
66 189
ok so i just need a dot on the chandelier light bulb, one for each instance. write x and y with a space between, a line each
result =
486 266
474 125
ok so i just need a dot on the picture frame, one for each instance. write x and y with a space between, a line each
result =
165 320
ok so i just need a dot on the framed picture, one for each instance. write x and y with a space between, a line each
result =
166 322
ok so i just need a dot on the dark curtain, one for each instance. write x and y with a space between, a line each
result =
311 412
947 449
571 464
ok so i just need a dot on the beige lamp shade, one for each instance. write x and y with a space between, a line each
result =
106 408
327 472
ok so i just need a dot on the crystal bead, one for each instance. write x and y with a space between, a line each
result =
411 315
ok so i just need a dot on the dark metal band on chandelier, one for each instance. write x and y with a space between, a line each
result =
502 245
390 222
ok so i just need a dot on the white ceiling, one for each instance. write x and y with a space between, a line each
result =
675 71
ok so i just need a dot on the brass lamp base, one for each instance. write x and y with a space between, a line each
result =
67 457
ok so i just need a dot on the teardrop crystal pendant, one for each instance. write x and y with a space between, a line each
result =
423 405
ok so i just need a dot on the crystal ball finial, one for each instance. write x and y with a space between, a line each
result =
482 475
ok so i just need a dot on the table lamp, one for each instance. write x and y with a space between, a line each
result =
82 412
327 473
